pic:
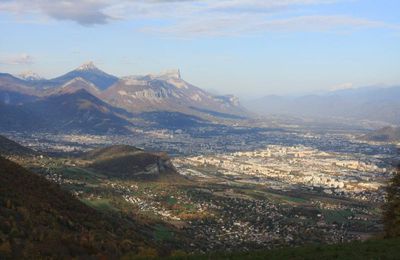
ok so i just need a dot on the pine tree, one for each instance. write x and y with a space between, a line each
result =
391 214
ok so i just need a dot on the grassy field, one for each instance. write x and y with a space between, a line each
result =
100 204
338 216
80 174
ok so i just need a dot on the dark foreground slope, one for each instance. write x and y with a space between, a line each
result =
372 249
39 220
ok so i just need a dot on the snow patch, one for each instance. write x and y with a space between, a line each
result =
30 75
87 66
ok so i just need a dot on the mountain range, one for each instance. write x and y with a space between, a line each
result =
386 134
379 104
88 99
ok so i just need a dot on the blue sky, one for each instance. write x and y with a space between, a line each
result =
245 47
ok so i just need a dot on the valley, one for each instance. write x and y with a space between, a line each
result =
230 187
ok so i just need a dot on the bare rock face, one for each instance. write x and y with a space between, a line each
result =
167 92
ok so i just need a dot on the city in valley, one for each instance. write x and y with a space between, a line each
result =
199 129
244 187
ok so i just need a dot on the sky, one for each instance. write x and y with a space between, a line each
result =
249 48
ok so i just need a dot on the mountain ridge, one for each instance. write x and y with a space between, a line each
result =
385 134
89 72
72 111
129 98
378 104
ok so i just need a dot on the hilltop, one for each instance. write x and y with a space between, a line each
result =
128 162
386 134
110 151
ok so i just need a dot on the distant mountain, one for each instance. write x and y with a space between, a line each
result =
371 103
173 120
15 98
168 92
11 84
7 79
14 90
30 76
386 134
88 72
75 85
77 111
127 162
15 117
38 220
11 148
31 102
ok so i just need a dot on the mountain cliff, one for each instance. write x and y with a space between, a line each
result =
167 92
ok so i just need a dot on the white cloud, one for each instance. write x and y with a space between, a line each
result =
188 18
17 59
246 24
84 12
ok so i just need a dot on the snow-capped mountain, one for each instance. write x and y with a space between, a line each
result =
30 76
88 66
89 72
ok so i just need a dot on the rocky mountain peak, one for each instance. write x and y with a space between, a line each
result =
87 66
173 73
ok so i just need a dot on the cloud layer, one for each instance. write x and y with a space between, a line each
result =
189 18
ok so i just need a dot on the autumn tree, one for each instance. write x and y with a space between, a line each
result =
391 214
